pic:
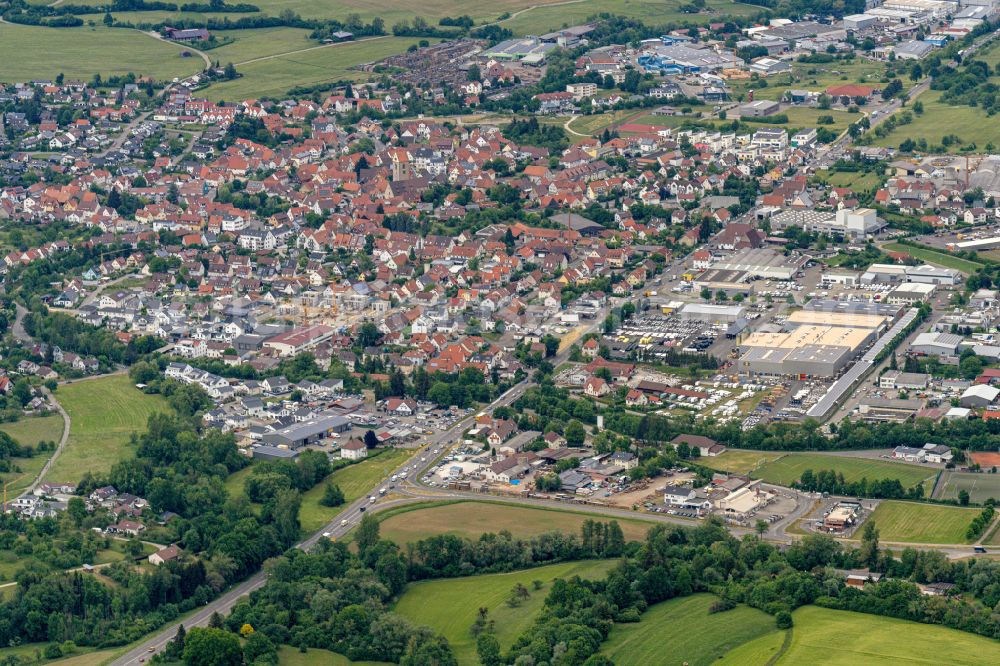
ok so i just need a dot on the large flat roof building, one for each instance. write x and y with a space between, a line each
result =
763 263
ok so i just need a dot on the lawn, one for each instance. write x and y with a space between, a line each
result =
843 638
82 52
787 469
451 606
740 462
856 180
940 119
471 519
758 651
275 76
355 480
937 257
694 635
981 487
289 656
30 431
103 414
911 522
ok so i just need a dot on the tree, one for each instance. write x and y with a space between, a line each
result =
229 72
575 433
783 620
259 649
76 509
368 334
488 649
212 647
368 533
332 495
963 497
868 553
474 74
371 439
760 527
175 648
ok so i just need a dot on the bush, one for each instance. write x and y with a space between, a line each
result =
783 620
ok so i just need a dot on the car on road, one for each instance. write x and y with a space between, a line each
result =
343 523
361 509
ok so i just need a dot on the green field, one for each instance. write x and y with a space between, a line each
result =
842 638
471 519
566 13
259 43
940 119
82 52
981 487
758 651
812 77
694 636
739 461
276 75
451 606
289 656
103 413
789 468
937 257
786 469
858 181
29 432
911 522
355 480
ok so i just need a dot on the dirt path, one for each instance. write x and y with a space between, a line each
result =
59 449
157 36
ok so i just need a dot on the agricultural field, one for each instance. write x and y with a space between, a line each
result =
82 52
843 638
103 413
936 257
472 519
971 125
274 75
289 656
260 43
546 17
739 462
84 657
451 606
597 123
694 636
354 480
980 487
912 522
789 468
758 651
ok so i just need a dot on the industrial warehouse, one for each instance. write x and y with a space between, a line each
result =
813 343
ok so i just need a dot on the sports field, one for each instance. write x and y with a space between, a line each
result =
981 487
842 638
103 413
471 519
683 631
936 257
784 469
354 480
451 606
912 522
739 461
274 76
82 52
986 459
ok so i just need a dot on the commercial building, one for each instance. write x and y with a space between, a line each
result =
878 322
912 50
807 351
299 340
758 108
859 22
528 50
681 58
897 273
911 292
763 263
711 313
936 344
307 432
